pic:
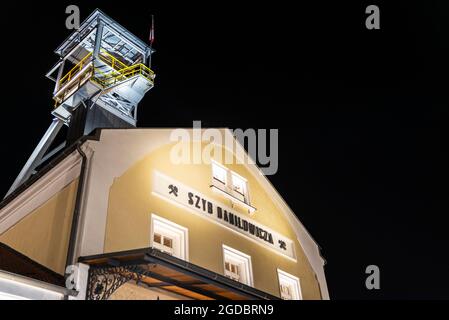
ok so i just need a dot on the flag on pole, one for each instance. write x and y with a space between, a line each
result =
151 37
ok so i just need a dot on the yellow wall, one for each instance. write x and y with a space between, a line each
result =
131 204
44 234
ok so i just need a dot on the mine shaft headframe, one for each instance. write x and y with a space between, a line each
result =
105 64
97 32
109 46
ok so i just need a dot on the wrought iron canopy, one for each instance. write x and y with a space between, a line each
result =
153 268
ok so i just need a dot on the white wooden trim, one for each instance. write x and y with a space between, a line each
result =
17 287
282 275
40 191
181 230
243 257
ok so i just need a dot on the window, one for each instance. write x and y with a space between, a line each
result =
219 173
163 243
239 187
289 286
233 271
286 291
237 266
169 237
230 184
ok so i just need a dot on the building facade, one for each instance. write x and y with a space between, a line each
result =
118 212
224 218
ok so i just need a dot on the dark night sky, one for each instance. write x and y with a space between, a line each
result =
363 158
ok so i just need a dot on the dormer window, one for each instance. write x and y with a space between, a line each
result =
231 185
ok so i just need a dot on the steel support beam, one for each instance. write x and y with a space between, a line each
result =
37 154
59 76
98 37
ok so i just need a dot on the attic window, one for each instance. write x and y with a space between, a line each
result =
231 185
219 173
239 187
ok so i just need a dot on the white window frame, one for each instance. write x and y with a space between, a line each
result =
236 193
161 246
166 227
219 167
242 259
292 281
227 188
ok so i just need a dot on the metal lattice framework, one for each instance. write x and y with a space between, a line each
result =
103 282
109 67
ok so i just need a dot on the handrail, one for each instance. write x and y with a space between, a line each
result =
119 72
140 65
76 68
104 56
113 77
114 61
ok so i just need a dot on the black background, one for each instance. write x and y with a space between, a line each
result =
362 114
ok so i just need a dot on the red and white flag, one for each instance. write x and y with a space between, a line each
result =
151 37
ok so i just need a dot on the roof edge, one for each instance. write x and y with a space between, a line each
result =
95 135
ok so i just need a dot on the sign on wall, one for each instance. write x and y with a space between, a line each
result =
173 190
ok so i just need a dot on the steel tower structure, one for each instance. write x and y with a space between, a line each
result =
102 75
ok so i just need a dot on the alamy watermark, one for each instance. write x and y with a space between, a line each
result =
372 22
201 146
373 280
72 22
71 272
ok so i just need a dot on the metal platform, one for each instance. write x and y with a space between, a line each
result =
104 71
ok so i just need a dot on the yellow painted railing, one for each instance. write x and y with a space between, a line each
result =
104 56
119 72
113 77
74 71
111 60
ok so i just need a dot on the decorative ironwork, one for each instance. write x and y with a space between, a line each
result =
103 282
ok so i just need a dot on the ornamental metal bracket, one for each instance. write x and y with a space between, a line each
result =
103 282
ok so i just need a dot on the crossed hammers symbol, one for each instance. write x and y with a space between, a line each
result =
173 189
